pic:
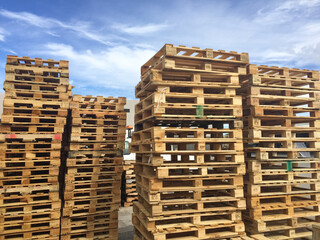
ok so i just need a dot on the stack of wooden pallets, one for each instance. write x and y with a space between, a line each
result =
93 168
188 144
129 191
281 134
34 115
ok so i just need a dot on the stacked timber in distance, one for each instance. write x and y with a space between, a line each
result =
92 194
281 135
35 107
188 144
129 183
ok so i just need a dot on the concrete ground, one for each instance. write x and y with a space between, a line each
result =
125 223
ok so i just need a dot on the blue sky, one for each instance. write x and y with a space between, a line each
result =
107 41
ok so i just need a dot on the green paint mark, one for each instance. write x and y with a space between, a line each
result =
199 111
289 166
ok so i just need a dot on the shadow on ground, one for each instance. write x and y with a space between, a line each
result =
125 224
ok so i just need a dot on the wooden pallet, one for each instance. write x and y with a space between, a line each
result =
193 171
277 211
278 81
79 202
81 225
45 234
92 217
165 120
275 112
97 137
32 181
288 102
38 155
280 123
21 111
225 146
88 161
152 107
25 226
213 182
207 100
37 95
186 134
279 224
33 86
37 62
91 193
35 137
110 234
45 104
294 199
88 114
96 146
285 145
26 221
16 145
197 94
32 129
89 209
97 103
191 159
282 154
282 188
83 153
34 120
92 180
217 204
220 60
37 71
91 121
291 177
269 133
30 211
20 199
181 196
45 79
156 81
223 231
271 93
160 223
273 71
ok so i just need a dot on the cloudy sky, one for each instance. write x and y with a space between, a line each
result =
107 41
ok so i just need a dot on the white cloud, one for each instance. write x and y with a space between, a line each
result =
9 51
286 11
139 30
81 28
2 34
114 68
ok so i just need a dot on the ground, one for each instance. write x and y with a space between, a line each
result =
125 223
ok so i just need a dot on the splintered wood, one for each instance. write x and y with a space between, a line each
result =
35 107
128 184
188 144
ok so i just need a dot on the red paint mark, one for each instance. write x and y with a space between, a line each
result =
13 135
57 137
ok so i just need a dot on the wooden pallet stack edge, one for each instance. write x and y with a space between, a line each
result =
93 167
128 184
36 102
188 144
281 142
